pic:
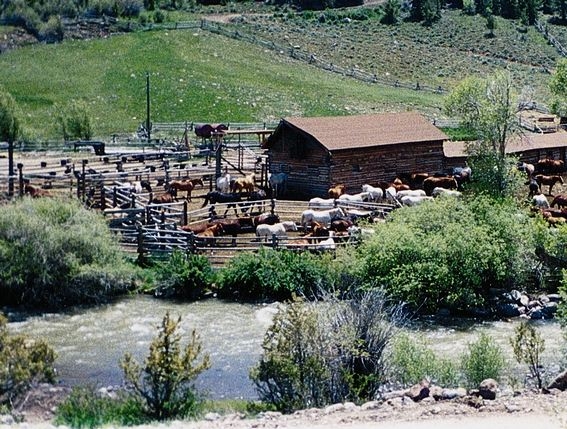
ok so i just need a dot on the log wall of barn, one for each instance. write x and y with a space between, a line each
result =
355 167
306 163
534 155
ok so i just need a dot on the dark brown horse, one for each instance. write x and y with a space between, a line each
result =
549 166
560 201
35 191
447 182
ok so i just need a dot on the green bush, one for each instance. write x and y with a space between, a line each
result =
483 359
74 120
450 253
275 274
413 360
23 362
528 346
184 276
55 253
164 384
51 31
316 354
86 408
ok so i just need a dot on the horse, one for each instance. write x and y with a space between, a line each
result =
355 198
280 229
336 191
409 200
374 194
265 218
210 233
560 201
411 193
244 184
447 182
548 181
185 185
437 192
277 182
257 198
36 191
549 166
533 187
524 167
321 203
223 183
399 185
167 197
322 216
215 197
540 201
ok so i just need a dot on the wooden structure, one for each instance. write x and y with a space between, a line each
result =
528 147
317 153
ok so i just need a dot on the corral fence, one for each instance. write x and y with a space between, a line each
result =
544 30
154 232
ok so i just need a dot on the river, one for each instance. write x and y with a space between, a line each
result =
90 342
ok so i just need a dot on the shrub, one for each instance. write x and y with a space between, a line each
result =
164 384
159 16
184 276
448 254
483 359
23 362
322 353
20 14
52 31
528 346
86 408
55 253
74 121
413 360
275 274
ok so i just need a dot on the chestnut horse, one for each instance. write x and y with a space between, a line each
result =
185 185
244 184
336 191
548 181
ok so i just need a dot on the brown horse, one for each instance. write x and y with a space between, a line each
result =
549 166
185 185
35 191
244 184
447 182
548 181
560 201
165 198
337 190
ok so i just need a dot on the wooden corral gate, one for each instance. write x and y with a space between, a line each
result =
161 236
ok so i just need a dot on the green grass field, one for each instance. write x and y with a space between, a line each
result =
194 76
197 76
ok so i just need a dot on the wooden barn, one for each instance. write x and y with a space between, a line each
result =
529 148
318 153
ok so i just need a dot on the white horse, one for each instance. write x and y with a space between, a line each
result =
410 193
277 182
355 198
446 192
374 194
321 203
540 201
323 217
410 200
223 183
280 229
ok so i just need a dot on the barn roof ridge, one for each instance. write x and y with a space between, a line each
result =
369 130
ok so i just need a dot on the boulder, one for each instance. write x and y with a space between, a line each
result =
448 394
508 310
554 297
560 382
418 391
487 389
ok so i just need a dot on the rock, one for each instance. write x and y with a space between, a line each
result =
524 300
543 299
473 400
488 388
507 310
394 394
536 313
560 382
370 405
7 419
418 391
549 309
554 297
211 417
334 408
448 394
436 392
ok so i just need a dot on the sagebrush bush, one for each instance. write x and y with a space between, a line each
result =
23 362
413 360
275 274
184 276
483 359
55 253
320 353
51 31
164 384
528 346
450 253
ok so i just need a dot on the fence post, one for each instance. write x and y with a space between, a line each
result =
274 241
184 220
140 240
20 166
272 206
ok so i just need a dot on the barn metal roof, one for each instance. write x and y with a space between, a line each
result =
361 131
523 143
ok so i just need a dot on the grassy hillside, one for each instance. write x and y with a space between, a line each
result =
194 76
198 76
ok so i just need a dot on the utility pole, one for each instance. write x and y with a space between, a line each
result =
148 123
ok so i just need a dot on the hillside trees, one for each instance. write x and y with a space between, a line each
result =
558 87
